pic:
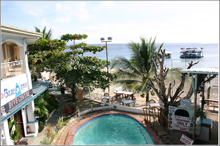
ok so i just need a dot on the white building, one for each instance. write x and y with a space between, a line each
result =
17 91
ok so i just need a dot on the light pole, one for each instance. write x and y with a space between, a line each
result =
109 40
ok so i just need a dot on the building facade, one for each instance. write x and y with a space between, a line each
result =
17 91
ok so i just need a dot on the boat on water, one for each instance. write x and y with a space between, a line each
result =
167 54
191 53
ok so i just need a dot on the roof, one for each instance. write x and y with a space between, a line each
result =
201 71
5 28
29 36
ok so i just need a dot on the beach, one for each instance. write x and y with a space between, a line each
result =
140 102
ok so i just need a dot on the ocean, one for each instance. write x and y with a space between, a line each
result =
210 53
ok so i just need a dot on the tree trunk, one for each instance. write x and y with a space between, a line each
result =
147 96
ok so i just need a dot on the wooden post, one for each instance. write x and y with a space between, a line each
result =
208 91
194 85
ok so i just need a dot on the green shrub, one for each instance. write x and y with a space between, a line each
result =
13 130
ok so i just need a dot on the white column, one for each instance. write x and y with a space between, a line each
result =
24 120
21 52
7 140
30 111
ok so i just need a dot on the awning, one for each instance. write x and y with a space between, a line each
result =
38 88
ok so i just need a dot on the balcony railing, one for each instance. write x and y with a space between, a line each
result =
11 69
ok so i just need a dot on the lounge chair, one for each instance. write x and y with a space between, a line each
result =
103 100
131 104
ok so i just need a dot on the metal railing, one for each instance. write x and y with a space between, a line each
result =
11 69
154 116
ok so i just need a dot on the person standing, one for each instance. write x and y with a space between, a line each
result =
62 92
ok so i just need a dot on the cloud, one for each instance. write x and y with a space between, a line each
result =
33 13
58 6
63 20
107 4
82 11
67 8
44 22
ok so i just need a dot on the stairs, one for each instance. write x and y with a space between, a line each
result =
156 119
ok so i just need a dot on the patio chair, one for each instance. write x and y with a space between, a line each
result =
106 94
152 101
103 100
123 99
134 102
131 104
113 99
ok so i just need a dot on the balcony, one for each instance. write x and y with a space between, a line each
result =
11 69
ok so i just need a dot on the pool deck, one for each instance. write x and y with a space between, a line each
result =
65 136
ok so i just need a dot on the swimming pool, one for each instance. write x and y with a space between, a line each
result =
112 129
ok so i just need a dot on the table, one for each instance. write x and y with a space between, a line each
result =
211 100
128 101
118 93
154 105
107 97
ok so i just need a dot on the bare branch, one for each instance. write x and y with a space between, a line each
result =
169 90
154 67
210 78
191 64
165 72
155 89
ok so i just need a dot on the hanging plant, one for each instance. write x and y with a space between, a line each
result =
152 93
13 130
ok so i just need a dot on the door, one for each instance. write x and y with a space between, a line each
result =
19 123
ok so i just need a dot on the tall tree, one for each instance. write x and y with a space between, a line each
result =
71 68
46 35
134 74
164 93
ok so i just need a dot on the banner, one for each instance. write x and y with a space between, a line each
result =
12 88
186 140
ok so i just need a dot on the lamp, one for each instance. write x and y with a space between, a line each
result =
109 40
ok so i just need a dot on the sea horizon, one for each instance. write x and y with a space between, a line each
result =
210 52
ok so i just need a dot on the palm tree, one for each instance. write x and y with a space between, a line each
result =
40 108
134 73
46 35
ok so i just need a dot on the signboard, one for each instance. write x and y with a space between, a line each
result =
186 140
170 117
177 122
161 104
12 88
185 101
15 101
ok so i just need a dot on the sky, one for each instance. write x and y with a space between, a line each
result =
124 21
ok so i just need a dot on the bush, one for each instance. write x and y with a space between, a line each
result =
68 110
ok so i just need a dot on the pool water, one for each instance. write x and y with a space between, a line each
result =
112 129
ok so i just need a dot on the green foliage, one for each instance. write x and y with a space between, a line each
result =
71 68
134 73
50 135
41 108
53 103
45 141
13 126
46 35
68 37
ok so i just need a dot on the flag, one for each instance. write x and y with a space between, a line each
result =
182 48
202 48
